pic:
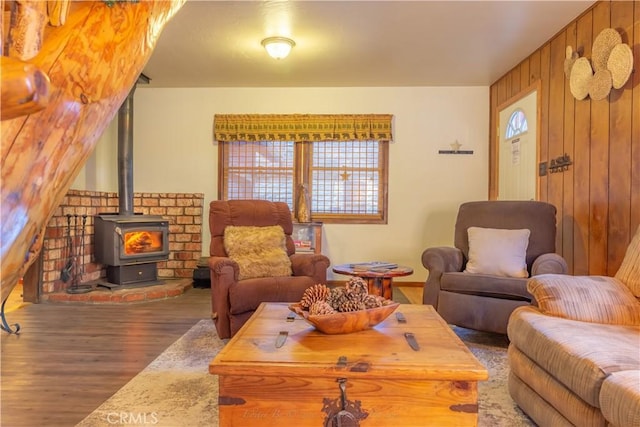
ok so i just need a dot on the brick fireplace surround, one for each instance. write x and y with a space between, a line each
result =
182 210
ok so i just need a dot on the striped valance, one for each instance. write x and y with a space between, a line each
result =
302 127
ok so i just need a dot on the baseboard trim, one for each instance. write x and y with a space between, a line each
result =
409 284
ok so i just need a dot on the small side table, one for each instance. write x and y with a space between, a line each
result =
379 281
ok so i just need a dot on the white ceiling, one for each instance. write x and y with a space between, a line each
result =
212 43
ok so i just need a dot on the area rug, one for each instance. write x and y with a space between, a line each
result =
176 390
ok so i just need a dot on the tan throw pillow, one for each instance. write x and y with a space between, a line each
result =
629 271
498 252
596 299
259 251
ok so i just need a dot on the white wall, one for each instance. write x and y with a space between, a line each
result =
174 152
100 171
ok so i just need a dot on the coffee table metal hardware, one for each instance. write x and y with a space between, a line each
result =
341 412
411 339
342 362
360 367
281 338
291 317
400 317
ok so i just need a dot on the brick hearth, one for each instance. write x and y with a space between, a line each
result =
99 295
182 210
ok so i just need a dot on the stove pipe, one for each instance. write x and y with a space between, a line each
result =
125 151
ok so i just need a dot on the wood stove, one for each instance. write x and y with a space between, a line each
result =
130 246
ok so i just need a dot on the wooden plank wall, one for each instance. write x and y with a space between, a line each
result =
598 198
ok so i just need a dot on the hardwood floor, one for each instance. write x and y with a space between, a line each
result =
69 358
413 293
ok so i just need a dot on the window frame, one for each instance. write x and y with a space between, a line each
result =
302 174
517 131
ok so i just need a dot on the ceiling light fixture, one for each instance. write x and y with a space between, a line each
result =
278 47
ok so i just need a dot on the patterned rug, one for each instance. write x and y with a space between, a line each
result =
176 390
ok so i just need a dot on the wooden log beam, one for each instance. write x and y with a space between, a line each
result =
57 11
92 61
24 90
28 20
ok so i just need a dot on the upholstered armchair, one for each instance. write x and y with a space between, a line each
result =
497 245
262 265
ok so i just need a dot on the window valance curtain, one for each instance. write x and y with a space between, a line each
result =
302 127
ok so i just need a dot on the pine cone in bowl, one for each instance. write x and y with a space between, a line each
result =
320 308
347 322
315 293
343 310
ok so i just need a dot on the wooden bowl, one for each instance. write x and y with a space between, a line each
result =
345 323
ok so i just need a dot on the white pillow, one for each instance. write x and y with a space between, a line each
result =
498 252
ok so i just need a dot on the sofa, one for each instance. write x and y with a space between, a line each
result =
574 354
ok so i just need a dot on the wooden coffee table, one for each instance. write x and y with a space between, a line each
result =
367 378
379 281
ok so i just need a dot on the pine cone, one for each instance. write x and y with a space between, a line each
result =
357 286
320 308
350 305
315 293
354 296
336 296
373 301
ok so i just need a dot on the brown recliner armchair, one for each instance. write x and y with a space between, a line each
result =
485 301
233 300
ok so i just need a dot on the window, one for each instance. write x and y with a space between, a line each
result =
341 159
346 180
257 170
516 125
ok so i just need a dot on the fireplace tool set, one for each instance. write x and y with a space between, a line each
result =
74 250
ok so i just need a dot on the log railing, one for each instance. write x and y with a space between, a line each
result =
66 69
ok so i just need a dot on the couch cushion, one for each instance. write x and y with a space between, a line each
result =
579 355
629 271
259 251
620 398
247 295
498 252
598 299
545 399
485 285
